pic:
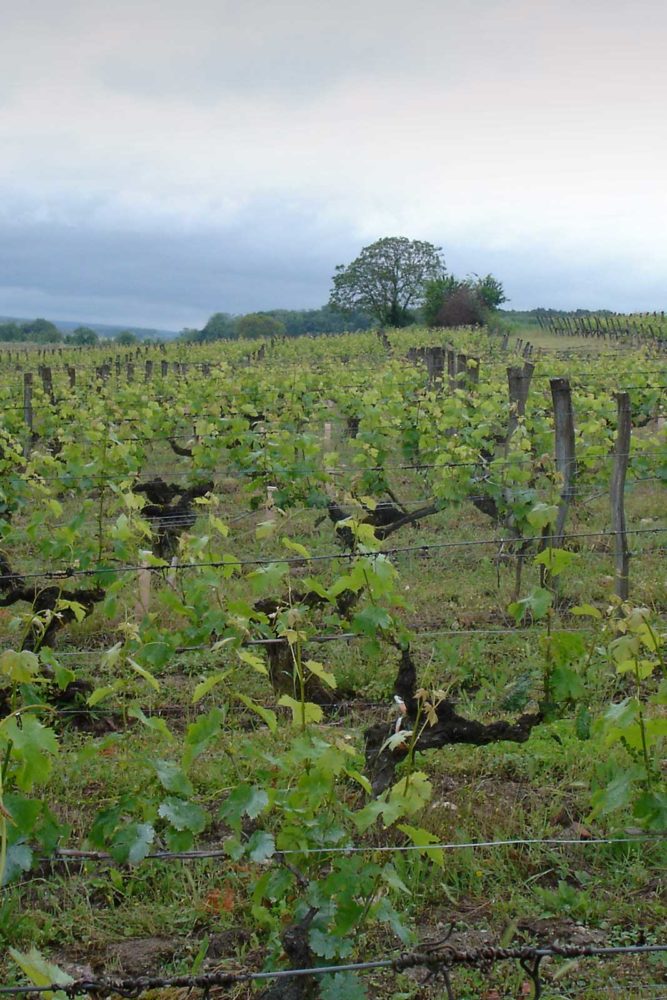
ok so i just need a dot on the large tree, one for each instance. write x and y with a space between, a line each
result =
387 279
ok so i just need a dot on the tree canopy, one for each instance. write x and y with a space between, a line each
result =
291 323
36 331
464 307
83 336
259 325
387 279
126 338
221 325
490 291
451 301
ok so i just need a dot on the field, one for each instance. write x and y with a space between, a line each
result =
326 651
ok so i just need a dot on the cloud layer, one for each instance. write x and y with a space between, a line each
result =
162 161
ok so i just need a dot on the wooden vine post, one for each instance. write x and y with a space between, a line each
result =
617 497
518 383
270 503
469 367
27 410
565 451
435 365
46 376
518 380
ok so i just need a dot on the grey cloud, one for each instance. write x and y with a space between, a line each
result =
169 279
136 131
269 258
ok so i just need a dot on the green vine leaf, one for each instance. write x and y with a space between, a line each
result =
132 843
422 839
342 986
261 846
303 713
20 668
173 778
245 800
266 714
39 971
183 815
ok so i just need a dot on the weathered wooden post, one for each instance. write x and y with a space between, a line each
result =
565 450
47 381
617 497
27 410
270 504
144 580
435 365
519 386
451 366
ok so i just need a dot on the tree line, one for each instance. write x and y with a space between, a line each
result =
393 282
43 331
279 323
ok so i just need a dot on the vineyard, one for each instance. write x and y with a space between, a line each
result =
343 654
633 329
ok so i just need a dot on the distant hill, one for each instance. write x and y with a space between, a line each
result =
104 329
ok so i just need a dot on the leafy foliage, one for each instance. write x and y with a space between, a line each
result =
387 279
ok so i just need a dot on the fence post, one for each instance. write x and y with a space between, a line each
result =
451 367
565 453
164 368
270 503
71 374
617 497
27 410
47 381
148 371
435 365
519 386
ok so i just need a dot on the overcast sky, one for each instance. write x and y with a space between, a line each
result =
161 160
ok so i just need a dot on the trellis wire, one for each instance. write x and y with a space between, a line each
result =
187 518
350 636
65 855
437 957
69 572
65 478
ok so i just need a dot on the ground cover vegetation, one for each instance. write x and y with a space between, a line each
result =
317 609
